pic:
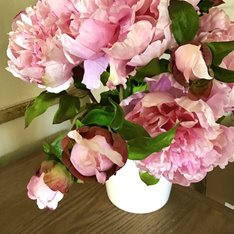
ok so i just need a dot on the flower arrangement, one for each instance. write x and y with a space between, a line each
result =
168 71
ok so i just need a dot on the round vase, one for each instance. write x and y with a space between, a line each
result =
127 191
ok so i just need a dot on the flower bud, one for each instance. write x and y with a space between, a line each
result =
94 152
49 185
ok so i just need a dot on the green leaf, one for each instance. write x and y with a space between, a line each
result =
78 73
118 120
140 88
148 179
39 106
205 5
130 130
227 121
185 21
55 148
69 107
220 50
222 74
153 68
104 77
113 94
98 117
141 147
79 124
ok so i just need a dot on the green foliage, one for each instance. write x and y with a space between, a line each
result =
148 179
141 147
154 67
222 74
104 77
205 5
78 123
78 73
227 121
185 21
118 120
113 94
69 107
220 50
55 148
130 130
98 117
39 106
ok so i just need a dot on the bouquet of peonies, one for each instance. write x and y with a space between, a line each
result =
168 71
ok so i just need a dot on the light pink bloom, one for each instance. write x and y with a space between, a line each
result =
228 61
126 33
215 19
151 23
96 152
38 190
221 99
216 26
189 60
199 145
49 185
35 53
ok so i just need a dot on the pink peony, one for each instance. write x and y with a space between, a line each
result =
228 61
216 26
190 62
199 145
49 186
100 31
221 99
96 152
35 52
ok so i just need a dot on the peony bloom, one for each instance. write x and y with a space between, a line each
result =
49 186
216 26
35 52
100 31
190 62
221 99
95 153
228 62
199 145
146 36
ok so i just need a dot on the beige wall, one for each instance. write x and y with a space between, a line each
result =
12 90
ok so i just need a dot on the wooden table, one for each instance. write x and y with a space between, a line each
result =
86 210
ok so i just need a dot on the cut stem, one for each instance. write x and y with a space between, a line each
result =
121 93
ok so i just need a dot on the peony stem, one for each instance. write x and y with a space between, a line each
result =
121 93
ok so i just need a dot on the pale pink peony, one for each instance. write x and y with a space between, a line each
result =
228 62
126 33
95 153
145 37
35 52
189 61
199 145
216 26
49 186
221 99
38 190
215 19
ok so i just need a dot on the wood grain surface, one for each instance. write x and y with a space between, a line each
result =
87 210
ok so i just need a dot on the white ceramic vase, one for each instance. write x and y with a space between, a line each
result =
126 191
